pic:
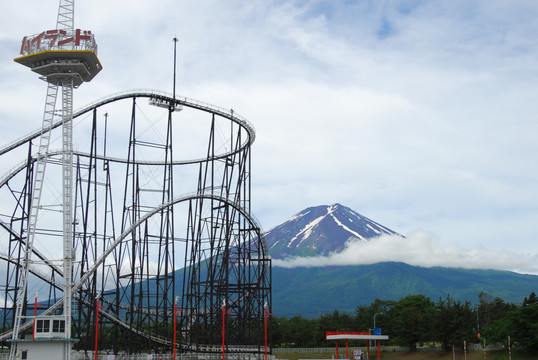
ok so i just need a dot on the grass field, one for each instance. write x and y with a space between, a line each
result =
421 355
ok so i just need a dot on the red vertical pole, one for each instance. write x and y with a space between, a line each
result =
265 328
378 349
96 327
35 314
347 351
175 326
368 349
223 326
337 349
265 318
175 323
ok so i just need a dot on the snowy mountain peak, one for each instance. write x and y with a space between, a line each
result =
321 230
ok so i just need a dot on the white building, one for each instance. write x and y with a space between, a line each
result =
48 340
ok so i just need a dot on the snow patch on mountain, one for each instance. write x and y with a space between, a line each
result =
373 229
298 216
306 231
346 228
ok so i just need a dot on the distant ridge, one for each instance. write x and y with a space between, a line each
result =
309 291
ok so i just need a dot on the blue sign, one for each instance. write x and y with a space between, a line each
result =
377 331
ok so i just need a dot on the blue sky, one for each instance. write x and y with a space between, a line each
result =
420 115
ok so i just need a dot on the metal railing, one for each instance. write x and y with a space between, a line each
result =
168 356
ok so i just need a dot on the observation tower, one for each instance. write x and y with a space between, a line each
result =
65 58
148 242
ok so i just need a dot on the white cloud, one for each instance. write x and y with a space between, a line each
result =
419 249
420 115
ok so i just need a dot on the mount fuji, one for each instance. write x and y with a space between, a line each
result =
325 230
320 231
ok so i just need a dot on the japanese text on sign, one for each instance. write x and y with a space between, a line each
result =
59 40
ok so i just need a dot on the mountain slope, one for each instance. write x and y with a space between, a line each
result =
321 230
309 291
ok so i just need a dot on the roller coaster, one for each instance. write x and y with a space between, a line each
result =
161 219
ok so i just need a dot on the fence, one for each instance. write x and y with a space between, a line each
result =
169 356
91 356
276 351
384 348
328 350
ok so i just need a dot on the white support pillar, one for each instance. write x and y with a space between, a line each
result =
67 185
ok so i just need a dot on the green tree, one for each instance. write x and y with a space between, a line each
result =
525 324
491 309
454 322
413 320
531 300
302 332
495 318
280 331
364 316
333 322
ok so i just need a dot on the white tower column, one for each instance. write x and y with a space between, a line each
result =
65 58
67 185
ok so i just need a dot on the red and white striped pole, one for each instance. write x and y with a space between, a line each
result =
97 326
265 322
509 349
224 312
35 314
175 325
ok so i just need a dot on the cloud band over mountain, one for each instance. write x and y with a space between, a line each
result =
418 249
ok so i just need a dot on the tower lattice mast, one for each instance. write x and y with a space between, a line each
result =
65 58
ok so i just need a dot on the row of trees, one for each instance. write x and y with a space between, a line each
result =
416 319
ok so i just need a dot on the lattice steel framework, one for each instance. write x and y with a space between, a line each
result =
64 58
161 209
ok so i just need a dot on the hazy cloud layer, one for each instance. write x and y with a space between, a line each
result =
419 249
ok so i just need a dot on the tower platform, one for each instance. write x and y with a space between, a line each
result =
55 65
57 55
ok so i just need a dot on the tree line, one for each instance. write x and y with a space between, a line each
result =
415 320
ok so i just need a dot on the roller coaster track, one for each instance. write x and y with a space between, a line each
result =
151 94
228 158
103 256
